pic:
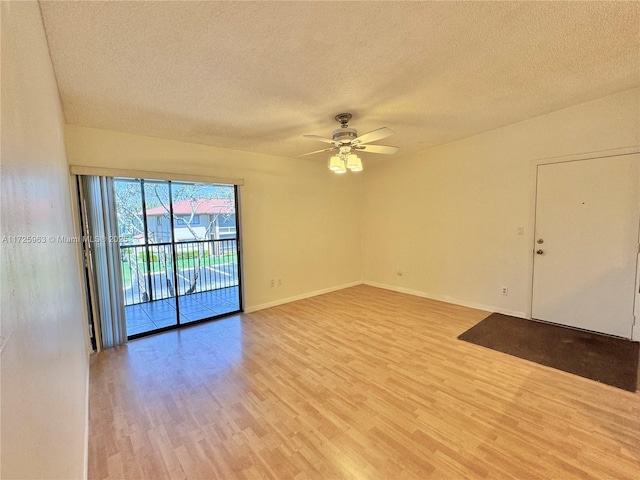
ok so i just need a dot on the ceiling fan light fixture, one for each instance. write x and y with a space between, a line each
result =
343 168
354 163
335 163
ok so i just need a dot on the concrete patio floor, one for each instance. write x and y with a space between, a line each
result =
149 316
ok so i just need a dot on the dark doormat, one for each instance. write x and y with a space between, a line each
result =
609 360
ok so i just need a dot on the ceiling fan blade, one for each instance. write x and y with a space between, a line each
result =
319 138
378 134
317 151
386 149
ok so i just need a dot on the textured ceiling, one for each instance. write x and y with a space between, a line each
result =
256 76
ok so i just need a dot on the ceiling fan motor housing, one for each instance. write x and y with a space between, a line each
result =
345 135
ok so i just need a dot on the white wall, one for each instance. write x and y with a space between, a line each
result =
44 360
301 222
448 217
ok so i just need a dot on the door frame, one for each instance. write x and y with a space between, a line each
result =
173 243
533 189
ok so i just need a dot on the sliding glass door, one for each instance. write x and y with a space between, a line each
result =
179 252
206 250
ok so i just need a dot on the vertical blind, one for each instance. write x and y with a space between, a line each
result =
104 254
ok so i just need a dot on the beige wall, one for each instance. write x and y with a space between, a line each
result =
300 222
448 217
44 360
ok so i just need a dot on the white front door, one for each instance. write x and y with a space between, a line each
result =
587 217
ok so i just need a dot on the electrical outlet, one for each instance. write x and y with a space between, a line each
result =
279 282
505 290
272 283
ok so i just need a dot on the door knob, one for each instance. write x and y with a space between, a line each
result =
540 240
539 252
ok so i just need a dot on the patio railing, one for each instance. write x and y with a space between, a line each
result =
149 271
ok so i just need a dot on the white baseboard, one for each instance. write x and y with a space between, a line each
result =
394 288
282 301
447 299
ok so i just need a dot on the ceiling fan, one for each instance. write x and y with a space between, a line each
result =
346 143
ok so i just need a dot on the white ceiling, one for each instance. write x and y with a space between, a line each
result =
256 76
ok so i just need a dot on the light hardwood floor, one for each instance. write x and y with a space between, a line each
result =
361 383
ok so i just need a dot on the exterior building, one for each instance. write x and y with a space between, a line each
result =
194 219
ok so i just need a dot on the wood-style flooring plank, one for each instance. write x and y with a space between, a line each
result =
361 383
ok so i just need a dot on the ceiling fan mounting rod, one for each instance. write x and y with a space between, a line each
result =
343 118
